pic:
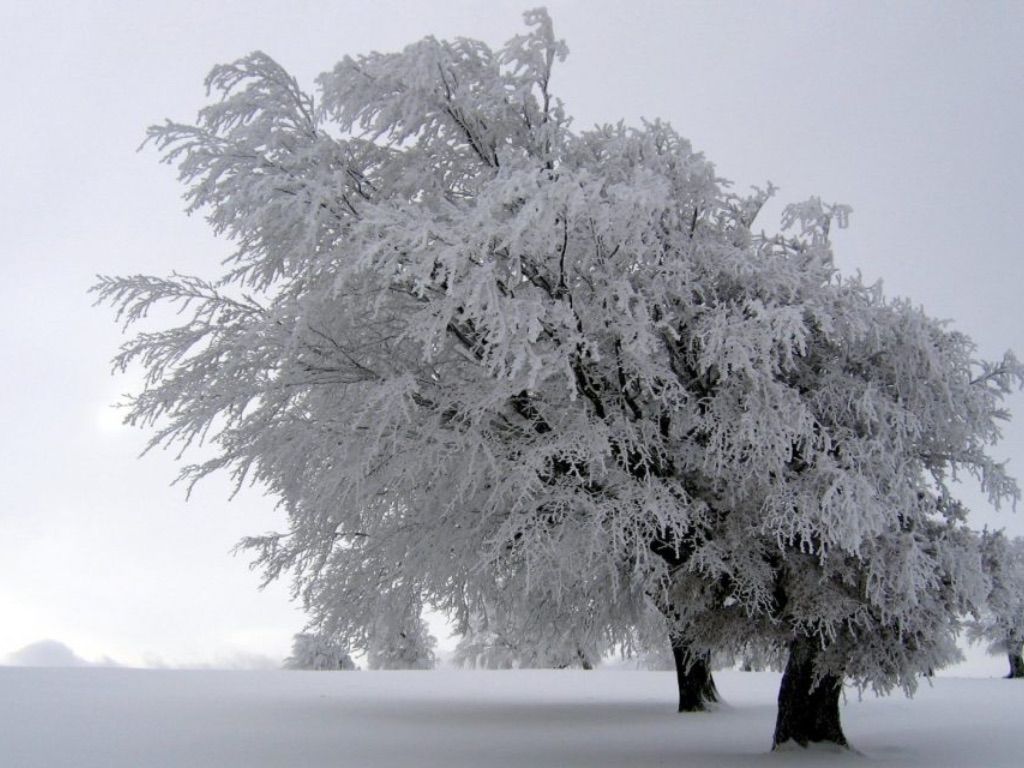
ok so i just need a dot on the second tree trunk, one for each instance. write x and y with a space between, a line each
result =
693 675
1016 663
808 713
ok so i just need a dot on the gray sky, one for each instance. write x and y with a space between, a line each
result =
910 112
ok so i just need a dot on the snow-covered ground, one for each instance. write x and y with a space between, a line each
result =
121 718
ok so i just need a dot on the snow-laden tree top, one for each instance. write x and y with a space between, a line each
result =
467 346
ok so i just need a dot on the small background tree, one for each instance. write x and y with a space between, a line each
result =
314 651
1002 623
400 641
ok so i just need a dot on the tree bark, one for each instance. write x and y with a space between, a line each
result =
693 675
1014 655
1016 659
808 713
1016 665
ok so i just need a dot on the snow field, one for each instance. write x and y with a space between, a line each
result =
119 718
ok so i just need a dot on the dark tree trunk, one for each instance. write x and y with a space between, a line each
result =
693 675
1016 664
1013 654
807 713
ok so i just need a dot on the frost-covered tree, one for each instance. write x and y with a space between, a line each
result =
489 645
400 640
530 628
471 349
316 651
1002 623
853 547
484 647
351 312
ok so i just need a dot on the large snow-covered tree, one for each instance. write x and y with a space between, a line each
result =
855 547
468 347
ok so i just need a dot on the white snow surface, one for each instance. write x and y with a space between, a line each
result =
111 718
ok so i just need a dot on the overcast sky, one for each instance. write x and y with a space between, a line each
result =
910 112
